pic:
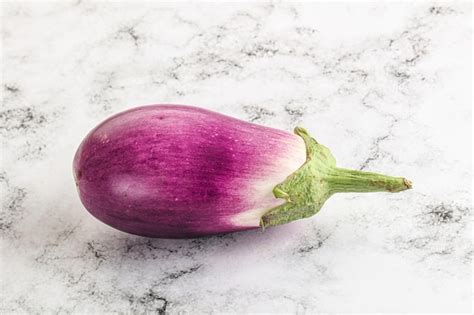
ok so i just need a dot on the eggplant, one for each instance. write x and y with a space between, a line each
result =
176 171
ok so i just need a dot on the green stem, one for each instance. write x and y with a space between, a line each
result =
345 180
306 190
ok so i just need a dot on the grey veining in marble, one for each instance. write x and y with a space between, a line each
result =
386 86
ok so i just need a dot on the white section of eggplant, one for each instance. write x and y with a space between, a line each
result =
260 192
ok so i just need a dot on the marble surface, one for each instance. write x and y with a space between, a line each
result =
386 86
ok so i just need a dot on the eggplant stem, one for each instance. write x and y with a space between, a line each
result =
345 180
306 190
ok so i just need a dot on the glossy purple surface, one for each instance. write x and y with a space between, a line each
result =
176 171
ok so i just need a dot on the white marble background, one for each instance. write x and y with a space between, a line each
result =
386 86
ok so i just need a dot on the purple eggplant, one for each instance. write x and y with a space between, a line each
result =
175 171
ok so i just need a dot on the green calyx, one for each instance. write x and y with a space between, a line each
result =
306 190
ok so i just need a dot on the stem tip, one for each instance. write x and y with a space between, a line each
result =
408 183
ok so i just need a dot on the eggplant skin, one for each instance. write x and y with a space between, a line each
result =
176 171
